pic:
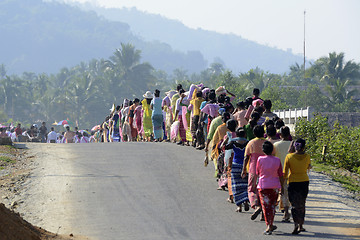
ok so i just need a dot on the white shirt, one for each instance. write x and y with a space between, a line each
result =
281 150
179 107
52 136
13 137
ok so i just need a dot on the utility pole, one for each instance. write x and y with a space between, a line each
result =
304 43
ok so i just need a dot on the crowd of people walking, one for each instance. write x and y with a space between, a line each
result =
254 155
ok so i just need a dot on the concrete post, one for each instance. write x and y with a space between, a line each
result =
310 115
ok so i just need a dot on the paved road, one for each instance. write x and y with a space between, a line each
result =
140 191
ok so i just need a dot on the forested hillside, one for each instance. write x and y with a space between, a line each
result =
39 36
58 62
237 53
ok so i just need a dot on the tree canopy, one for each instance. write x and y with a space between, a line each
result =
85 93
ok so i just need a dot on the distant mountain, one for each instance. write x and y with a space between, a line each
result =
39 36
239 54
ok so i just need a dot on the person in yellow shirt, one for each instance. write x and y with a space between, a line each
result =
296 171
174 98
196 102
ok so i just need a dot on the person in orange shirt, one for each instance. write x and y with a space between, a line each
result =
253 150
219 135
239 115
69 135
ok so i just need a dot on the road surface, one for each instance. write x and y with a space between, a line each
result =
111 191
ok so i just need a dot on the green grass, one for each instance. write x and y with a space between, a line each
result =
346 181
6 159
7 149
9 146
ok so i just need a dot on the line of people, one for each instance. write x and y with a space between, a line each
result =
253 152
254 155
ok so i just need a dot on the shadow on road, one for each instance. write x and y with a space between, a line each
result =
314 235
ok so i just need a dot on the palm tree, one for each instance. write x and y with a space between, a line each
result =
296 75
127 74
338 91
80 94
123 60
337 75
11 90
256 78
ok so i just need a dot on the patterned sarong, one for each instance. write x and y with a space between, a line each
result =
116 136
238 184
268 198
182 131
157 122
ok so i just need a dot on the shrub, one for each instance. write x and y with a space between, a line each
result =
343 143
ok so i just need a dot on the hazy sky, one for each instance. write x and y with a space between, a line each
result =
331 25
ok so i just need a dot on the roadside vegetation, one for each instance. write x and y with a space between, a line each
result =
351 181
6 156
334 149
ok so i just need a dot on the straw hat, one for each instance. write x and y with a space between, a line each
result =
148 94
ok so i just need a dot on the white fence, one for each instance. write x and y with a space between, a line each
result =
290 116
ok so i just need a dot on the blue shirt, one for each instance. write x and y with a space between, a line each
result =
203 104
156 103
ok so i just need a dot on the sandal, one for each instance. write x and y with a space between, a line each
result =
246 206
267 232
255 214
296 229
230 200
